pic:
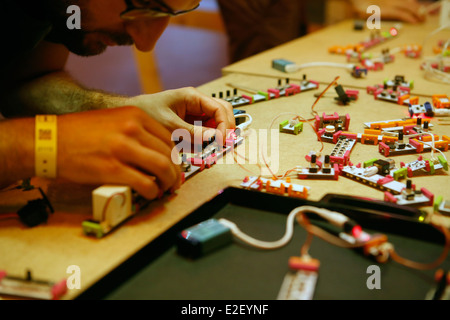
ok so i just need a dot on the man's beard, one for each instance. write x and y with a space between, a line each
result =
82 42
87 43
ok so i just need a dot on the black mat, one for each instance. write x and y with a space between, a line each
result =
239 272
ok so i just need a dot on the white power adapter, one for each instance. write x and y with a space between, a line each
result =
111 205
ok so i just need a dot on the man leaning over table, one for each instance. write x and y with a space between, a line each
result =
98 137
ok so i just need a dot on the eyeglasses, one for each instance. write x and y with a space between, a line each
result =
142 9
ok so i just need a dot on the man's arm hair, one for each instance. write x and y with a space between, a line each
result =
16 150
55 93
40 84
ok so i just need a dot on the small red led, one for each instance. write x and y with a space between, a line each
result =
356 231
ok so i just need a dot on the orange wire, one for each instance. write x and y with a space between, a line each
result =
324 235
235 153
321 95
314 230
426 266
234 157
302 119
314 129
265 162
287 172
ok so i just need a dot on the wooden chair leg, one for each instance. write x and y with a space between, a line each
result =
148 71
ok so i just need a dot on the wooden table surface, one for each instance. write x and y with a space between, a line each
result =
314 48
49 249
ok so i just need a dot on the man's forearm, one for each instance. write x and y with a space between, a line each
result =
16 150
56 93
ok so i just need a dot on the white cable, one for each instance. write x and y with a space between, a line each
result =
258 243
430 72
435 74
247 123
432 33
432 144
446 45
333 217
432 147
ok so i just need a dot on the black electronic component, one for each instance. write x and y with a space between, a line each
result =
399 79
185 166
35 211
304 79
282 86
326 167
409 192
383 167
359 24
313 168
342 95
239 120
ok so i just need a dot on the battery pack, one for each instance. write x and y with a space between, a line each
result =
281 64
203 238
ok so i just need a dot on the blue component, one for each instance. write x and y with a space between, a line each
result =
428 109
237 111
358 72
203 238
280 64
411 111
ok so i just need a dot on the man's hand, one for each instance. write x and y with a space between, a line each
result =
173 108
402 10
117 146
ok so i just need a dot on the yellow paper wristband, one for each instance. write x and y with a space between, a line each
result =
45 145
